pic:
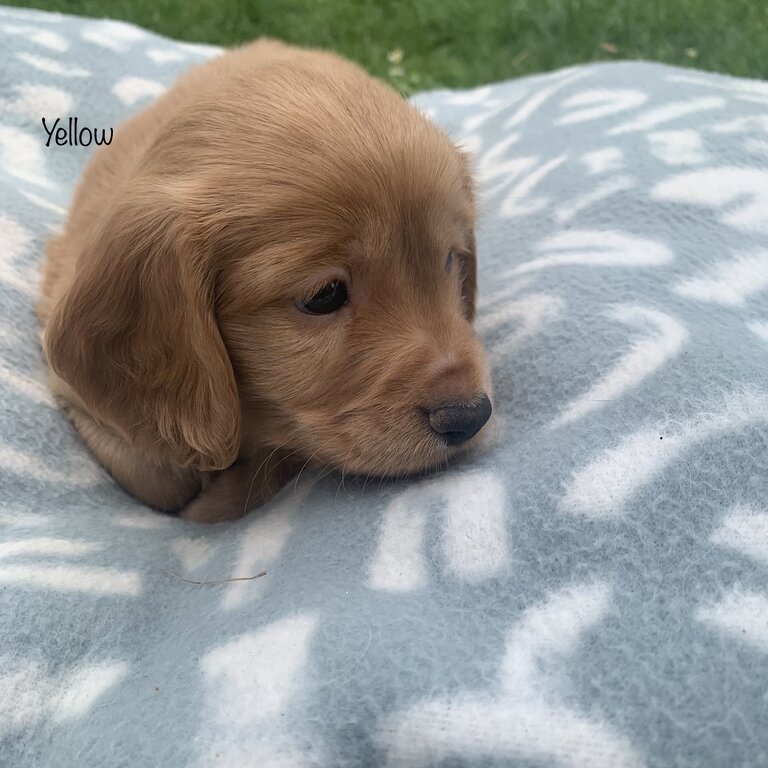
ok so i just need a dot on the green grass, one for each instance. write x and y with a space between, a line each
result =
430 43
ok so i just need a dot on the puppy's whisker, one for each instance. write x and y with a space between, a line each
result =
304 466
365 482
268 475
265 477
341 482
271 454
327 470
343 476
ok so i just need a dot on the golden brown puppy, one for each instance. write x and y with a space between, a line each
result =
272 264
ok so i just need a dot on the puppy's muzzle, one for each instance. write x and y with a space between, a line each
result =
458 423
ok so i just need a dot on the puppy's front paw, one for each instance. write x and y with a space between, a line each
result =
208 509
233 492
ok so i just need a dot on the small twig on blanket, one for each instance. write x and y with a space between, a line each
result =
219 581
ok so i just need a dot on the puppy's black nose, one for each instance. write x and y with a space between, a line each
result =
458 423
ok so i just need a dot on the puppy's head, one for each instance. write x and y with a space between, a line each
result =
296 264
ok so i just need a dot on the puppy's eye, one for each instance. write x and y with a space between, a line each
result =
449 260
327 300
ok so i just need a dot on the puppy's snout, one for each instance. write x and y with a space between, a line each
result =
457 423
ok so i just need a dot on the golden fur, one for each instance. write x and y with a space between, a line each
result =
169 316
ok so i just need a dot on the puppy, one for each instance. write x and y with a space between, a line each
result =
271 265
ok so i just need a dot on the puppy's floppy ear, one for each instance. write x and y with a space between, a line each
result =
136 336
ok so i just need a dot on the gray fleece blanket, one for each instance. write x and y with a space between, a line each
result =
592 592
